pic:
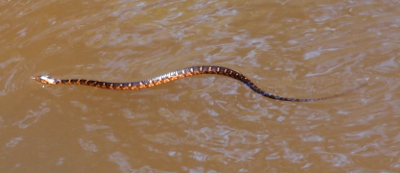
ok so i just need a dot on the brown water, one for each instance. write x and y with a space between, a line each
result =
204 123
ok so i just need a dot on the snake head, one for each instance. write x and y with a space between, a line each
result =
46 80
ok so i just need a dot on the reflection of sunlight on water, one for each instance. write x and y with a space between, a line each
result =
91 127
33 116
88 145
225 136
337 160
122 161
14 142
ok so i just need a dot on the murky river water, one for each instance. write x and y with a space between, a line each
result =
204 123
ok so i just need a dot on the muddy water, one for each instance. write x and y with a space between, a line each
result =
204 123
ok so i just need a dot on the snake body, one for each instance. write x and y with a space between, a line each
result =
177 74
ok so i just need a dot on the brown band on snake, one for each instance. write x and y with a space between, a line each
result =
177 74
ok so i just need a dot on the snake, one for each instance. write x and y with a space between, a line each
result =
177 74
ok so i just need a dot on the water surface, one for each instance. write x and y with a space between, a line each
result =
204 123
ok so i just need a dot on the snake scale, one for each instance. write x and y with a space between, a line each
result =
177 74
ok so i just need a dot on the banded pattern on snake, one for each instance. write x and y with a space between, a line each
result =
177 74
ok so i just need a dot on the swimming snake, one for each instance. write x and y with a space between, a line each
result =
181 73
